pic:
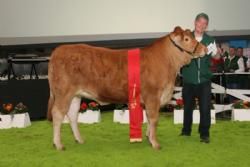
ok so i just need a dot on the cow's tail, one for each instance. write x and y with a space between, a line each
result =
50 106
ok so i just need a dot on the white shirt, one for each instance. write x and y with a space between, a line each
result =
240 64
248 63
198 38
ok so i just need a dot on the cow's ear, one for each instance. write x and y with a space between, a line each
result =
177 34
178 29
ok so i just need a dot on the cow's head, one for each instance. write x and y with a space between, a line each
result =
185 42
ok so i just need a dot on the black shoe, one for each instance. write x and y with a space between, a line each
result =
205 140
185 134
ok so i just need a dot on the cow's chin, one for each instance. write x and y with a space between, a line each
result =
199 55
196 56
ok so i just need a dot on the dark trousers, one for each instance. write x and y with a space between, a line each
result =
232 85
203 93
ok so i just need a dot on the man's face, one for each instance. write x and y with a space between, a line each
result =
231 51
239 52
201 25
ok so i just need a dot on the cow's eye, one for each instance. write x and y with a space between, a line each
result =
186 39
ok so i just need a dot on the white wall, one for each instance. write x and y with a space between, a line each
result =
34 18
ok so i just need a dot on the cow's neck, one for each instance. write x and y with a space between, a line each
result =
179 57
166 54
156 63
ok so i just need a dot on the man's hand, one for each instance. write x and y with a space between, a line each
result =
212 49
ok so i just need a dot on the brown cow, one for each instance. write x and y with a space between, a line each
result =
100 74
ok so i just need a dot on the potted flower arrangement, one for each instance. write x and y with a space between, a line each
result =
121 114
93 106
17 116
179 112
241 111
89 113
83 107
5 116
20 108
7 108
179 104
21 116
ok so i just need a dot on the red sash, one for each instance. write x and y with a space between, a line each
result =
135 110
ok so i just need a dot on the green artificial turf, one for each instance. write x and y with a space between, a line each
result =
107 145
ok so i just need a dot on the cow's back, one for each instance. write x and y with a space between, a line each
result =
82 68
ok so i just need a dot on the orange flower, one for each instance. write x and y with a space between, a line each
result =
246 103
8 107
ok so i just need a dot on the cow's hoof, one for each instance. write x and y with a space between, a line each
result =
156 146
79 141
59 147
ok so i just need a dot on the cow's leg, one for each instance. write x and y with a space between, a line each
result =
57 121
59 111
148 126
73 116
152 109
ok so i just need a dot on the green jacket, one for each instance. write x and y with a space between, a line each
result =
198 71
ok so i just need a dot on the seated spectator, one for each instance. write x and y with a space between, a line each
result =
248 63
240 55
243 78
248 76
233 64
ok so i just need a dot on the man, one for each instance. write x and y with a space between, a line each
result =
248 63
239 53
243 78
197 82
248 67
233 64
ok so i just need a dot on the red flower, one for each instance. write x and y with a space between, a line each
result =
179 102
93 104
84 106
